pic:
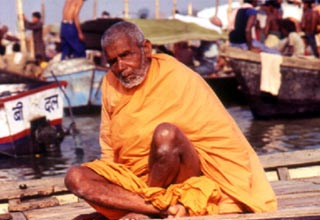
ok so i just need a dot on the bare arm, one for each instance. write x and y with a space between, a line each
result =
250 24
314 21
267 27
11 38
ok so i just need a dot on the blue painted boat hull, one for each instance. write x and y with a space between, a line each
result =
84 80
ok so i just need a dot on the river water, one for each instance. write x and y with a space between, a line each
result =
265 136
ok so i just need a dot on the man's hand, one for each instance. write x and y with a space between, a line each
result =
81 36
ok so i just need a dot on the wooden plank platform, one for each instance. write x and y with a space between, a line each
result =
298 195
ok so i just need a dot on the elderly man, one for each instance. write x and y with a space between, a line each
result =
169 147
72 38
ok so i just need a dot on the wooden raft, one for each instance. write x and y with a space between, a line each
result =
294 176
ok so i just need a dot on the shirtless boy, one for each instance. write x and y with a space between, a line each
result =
72 38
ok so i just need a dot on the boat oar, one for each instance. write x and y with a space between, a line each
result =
72 128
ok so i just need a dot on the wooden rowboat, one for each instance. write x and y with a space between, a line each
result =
294 176
299 92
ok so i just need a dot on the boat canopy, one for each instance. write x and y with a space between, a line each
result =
158 31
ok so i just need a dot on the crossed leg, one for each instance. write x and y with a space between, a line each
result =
172 159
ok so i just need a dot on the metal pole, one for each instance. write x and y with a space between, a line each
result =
229 10
190 11
95 9
217 8
157 14
21 28
174 9
43 10
126 8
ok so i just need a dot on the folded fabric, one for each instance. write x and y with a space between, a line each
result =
270 73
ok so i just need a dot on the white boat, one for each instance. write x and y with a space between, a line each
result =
31 115
84 80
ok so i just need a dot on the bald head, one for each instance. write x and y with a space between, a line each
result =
122 29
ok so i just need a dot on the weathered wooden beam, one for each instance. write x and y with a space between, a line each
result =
5 216
18 216
292 158
30 188
283 173
63 212
311 185
18 205
236 53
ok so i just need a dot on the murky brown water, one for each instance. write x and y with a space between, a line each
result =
266 137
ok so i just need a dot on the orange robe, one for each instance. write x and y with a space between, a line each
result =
233 181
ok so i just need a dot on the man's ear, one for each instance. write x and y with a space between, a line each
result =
147 48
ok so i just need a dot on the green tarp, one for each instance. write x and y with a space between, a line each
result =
164 31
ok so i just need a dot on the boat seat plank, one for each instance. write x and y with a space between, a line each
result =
18 205
296 186
299 200
283 162
289 159
18 216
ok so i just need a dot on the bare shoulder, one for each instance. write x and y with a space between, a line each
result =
71 4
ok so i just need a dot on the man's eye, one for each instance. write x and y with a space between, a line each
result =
111 62
126 55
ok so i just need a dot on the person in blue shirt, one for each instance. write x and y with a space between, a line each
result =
241 35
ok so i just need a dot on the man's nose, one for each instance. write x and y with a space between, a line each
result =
121 65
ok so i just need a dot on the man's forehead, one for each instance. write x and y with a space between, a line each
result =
120 40
119 46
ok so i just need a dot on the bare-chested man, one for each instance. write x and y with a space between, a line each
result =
272 29
72 38
309 24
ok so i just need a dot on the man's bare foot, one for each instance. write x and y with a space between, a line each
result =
91 216
134 216
177 210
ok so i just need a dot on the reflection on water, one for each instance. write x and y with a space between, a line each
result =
37 166
268 136
265 136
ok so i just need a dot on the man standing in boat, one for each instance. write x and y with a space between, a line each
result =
169 147
36 25
72 38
